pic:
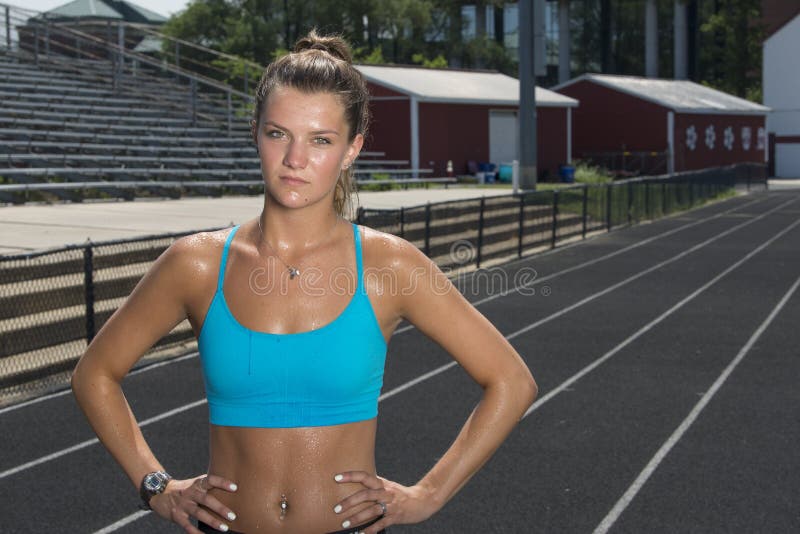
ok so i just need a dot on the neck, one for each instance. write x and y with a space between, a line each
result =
291 232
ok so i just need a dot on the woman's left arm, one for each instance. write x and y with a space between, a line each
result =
428 300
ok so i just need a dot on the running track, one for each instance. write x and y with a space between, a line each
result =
667 356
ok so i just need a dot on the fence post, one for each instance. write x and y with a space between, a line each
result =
120 55
108 40
428 228
585 209
555 219
630 203
230 111
88 284
480 233
402 222
47 39
663 198
521 224
177 57
8 28
193 84
609 190
245 78
36 45
647 200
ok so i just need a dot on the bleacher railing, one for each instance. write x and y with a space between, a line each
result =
54 301
114 45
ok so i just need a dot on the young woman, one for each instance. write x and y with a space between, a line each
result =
292 332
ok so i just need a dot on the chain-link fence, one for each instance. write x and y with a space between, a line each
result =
468 233
53 302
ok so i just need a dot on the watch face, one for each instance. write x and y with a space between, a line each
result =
153 482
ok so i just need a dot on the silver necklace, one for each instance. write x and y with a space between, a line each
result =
293 271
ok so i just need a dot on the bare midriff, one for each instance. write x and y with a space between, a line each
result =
298 463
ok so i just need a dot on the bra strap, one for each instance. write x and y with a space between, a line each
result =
359 262
224 259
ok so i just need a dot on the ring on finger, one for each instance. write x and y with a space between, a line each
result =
383 507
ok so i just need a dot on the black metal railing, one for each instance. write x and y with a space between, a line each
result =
55 301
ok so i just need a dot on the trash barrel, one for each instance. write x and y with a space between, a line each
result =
567 174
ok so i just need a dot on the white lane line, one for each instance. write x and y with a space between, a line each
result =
448 365
122 522
476 303
88 442
586 370
653 464
566 384
603 257
56 394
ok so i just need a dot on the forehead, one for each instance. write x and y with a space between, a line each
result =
291 107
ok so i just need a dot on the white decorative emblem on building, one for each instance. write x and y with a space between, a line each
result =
728 141
747 137
761 137
691 137
711 136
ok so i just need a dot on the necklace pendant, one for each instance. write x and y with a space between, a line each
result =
293 271
284 506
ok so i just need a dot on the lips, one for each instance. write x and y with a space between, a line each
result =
293 180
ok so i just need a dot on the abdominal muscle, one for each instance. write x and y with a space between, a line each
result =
299 463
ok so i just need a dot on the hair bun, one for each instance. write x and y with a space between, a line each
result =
332 44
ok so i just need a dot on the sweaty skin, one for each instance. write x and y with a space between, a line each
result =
298 462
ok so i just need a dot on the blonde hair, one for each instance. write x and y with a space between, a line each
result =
322 64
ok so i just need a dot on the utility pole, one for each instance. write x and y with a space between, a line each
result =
527 97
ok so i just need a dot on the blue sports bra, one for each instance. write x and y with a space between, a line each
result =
327 376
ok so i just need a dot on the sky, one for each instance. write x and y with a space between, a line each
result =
162 7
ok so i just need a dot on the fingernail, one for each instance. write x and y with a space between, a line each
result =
234 487
337 508
338 478
223 527
231 516
346 523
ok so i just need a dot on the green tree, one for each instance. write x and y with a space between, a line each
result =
730 52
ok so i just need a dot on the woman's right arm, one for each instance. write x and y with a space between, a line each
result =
157 304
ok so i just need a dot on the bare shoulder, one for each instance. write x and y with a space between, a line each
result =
197 255
402 269
174 287
384 250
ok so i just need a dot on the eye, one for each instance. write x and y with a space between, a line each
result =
274 134
323 140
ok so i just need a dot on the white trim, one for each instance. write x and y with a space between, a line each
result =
671 142
515 103
414 105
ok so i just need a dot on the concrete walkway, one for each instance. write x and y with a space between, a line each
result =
36 227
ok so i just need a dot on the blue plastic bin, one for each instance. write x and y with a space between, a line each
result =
504 174
567 174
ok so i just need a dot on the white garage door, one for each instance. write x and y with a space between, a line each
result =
503 137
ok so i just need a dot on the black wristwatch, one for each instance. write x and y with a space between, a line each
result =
152 484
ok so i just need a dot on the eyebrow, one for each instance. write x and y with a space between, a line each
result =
316 132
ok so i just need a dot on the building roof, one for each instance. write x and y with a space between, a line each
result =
458 86
105 9
681 96
84 8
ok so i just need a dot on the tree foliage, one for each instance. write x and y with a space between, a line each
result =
607 35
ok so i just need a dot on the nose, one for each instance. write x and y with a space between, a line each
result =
295 156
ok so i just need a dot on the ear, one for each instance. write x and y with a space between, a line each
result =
353 150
